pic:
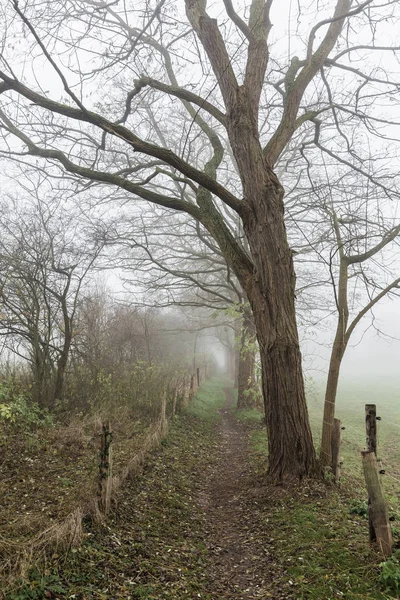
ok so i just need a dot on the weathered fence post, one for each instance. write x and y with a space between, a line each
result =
378 518
163 415
192 386
198 376
105 469
174 400
336 440
379 525
371 445
370 425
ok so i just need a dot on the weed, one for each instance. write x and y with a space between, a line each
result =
18 410
39 587
390 573
359 507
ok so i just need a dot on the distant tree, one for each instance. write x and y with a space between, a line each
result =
192 274
348 253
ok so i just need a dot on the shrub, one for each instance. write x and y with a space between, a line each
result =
390 573
18 410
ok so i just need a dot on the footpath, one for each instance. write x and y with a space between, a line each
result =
200 522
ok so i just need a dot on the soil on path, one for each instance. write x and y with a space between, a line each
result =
238 540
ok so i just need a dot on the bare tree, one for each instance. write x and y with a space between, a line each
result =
254 101
351 238
43 265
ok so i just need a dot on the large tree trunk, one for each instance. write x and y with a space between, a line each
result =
268 279
247 392
272 295
291 448
248 395
271 292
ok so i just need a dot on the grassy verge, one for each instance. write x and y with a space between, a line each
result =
210 397
152 545
320 533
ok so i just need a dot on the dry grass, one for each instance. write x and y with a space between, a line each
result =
25 539
17 558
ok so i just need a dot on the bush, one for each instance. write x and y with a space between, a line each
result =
18 410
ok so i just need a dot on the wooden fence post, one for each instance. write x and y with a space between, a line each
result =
163 415
370 425
371 446
198 376
336 440
192 386
105 469
379 525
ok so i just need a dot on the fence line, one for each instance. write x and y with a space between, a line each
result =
68 532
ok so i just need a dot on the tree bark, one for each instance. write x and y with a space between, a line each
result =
337 354
271 293
237 369
270 282
248 396
338 350
60 375
236 353
64 355
247 393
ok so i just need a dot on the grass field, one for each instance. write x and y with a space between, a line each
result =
350 410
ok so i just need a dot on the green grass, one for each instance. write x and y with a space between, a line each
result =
326 548
317 532
210 397
258 434
250 414
350 409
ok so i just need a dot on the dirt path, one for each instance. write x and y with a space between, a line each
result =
242 560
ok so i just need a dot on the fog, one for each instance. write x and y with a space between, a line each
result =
373 352
374 356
